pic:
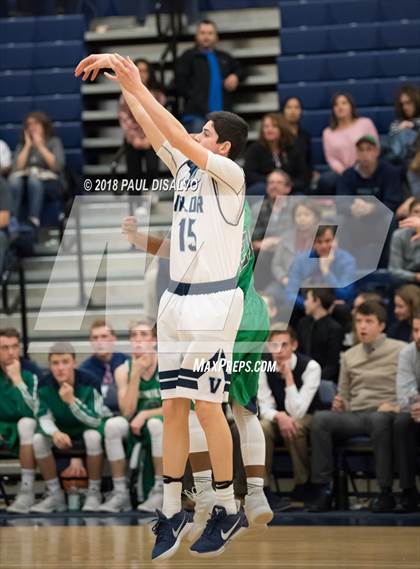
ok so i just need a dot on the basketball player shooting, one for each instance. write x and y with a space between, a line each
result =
202 307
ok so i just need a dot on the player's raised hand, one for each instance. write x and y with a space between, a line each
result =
66 392
129 228
92 65
412 222
126 73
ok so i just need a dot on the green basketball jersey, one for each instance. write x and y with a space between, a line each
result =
149 391
18 401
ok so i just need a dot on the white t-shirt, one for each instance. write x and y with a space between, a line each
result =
5 155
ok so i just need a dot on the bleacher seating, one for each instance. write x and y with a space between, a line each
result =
365 47
36 73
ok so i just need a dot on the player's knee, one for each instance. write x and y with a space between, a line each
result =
206 412
175 410
116 428
42 447
155 426
93 442
26 429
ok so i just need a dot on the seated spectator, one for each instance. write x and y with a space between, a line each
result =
70 410
275 148
413 174
5 207
351 338
26 364
141 159
206 77
407 422
406 302
339 140
271 218
38 159
287 399
5 159
404 257
404 130
141 406
18 405
292 112
320 336
335 266
364 406
104 361
306 216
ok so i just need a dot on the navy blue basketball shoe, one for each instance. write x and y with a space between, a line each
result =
169 533
219 531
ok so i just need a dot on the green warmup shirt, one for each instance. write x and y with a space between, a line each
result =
254 327
149 398
87 412
16 402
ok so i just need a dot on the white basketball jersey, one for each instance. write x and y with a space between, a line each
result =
207 222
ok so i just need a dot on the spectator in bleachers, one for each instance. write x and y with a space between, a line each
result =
206 77
339 140
406 302
70 410
351 338
271 306
287 399
320 336
405 129
5 159
18 404
271 218
5 207
275 148
292 112
407 422
104 361
413 173
39 161
404 258
364 406
141 406
306 216
334 267
141 160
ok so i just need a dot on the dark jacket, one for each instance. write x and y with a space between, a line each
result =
322 340
304 144
259 162
192 79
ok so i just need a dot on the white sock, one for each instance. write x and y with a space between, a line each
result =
53 486
172 499
27 480
120 484
202 480
95 485
254 484
226 498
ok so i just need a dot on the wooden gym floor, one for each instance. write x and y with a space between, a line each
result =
128 547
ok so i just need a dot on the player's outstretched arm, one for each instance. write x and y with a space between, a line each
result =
150 243
127 75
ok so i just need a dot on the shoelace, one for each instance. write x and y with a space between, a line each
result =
161 524
212 521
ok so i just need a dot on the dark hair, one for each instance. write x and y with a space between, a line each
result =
287 99
42 118
414 203
152 82
207 22
416 314
286 135
410 294
368 296
60 348
350 99
282 328
285 175
373 308
312 206
413 92
325 295
9 333
232 128
322 230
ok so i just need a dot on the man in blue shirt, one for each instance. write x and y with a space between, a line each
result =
333 268
104 362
